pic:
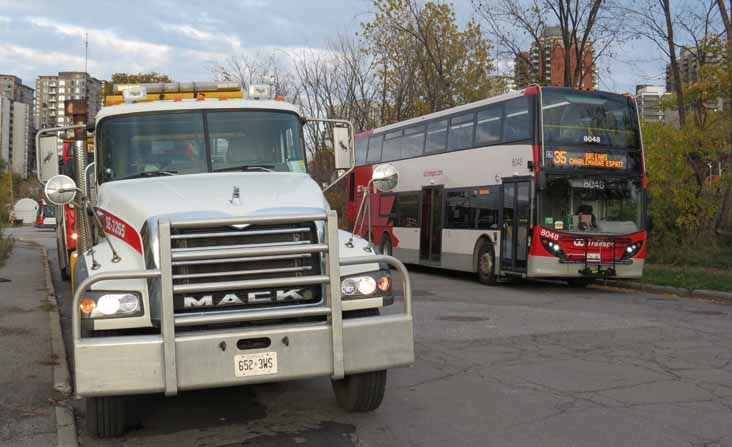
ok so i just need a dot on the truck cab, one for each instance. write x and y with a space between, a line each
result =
212 259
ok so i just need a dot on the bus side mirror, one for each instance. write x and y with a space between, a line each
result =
60 190
342 148
385 177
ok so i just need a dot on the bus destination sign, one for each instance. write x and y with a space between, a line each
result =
587 159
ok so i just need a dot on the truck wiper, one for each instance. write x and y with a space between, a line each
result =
147 174
266 168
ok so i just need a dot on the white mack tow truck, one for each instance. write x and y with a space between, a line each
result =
208 257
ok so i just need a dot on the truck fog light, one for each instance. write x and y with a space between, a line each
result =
348 287
87 305
74 236
366 285
108 304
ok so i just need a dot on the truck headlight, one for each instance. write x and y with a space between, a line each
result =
375 283
98 305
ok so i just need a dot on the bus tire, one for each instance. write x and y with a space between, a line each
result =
106 417
386 247
486 263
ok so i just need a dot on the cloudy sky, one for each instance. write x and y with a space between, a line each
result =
182 38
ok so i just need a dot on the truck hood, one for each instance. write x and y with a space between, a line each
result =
210 195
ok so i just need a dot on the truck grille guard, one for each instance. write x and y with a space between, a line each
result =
329 307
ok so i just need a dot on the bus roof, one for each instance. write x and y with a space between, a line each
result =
193 104
473 105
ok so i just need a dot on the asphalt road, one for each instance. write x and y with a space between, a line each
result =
526 364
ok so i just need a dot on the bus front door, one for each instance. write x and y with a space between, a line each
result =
430 239
515 224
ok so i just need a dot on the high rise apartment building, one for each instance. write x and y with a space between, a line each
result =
16 125
648 98
544 63
52 92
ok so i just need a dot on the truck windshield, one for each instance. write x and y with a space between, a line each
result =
577 118
585 204
175 143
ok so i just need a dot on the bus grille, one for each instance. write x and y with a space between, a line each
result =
203 256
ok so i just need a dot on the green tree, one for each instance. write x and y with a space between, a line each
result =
426 61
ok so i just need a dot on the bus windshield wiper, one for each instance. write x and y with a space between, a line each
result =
147 174
266 168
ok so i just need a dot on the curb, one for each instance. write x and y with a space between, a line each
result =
668 290
65 422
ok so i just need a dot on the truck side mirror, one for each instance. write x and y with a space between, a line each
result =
47 158
60 190
342 148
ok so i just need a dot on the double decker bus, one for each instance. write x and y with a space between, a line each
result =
541 183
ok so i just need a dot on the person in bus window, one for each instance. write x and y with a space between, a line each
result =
587 219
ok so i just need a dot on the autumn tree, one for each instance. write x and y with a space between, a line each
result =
588 29
425 61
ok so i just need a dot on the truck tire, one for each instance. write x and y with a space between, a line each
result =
106 417
364 391
486 265
65 270
360 392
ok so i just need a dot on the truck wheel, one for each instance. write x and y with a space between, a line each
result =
360 392
65 271
106 416
486 264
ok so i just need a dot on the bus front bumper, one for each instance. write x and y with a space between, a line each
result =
551 267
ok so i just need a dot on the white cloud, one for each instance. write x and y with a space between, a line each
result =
29 57
144 52
200 35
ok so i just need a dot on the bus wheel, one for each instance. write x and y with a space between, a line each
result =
486 264
106 417
386 248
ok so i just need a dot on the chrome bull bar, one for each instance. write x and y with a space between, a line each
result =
331 307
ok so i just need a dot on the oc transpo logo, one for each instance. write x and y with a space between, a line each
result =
593 244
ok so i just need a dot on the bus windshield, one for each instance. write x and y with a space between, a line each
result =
174 143
578 118
583 204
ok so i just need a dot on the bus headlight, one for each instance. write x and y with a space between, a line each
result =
632 249
370 284
552 247
97 305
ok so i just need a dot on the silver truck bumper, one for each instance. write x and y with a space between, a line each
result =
136 365
204 358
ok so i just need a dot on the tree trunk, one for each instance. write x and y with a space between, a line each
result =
678 88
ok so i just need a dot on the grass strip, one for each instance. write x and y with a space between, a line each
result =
692 278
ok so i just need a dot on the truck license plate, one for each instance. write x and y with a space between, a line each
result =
593 257
246 365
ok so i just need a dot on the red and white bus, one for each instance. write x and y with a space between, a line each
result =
540 183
